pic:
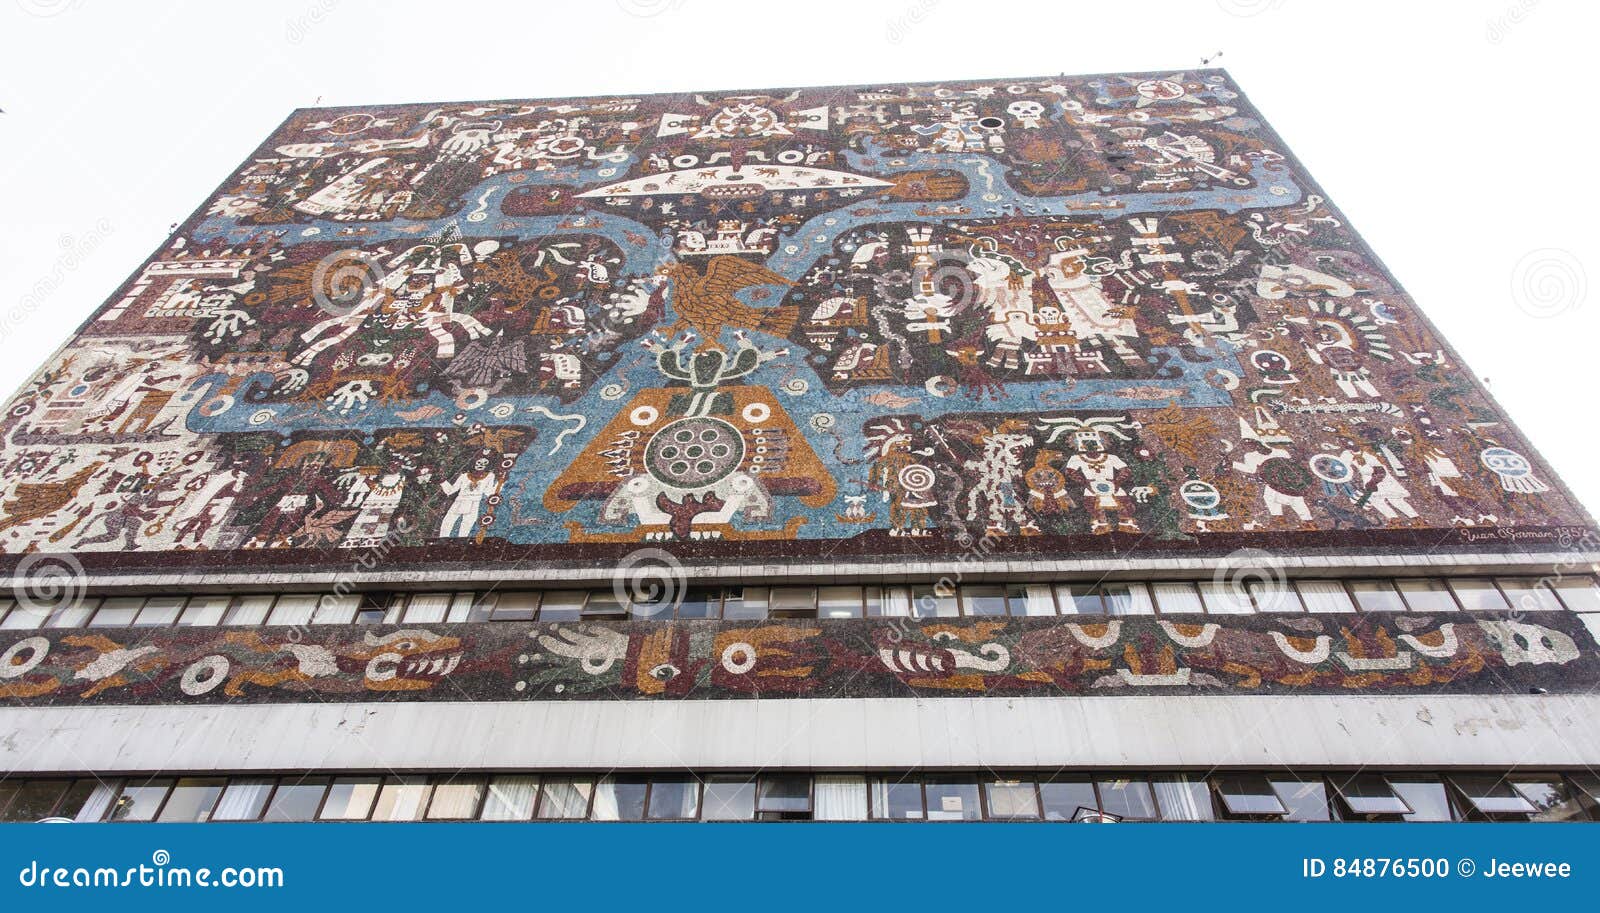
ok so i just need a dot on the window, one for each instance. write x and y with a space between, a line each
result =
1426 594
601 604
1478 594
1306 800
700 602
1011 799
793 602
88 800
984 600
896 800
23 617
1273 595
1129 799
1224 598
1528 594
71 614
783 797
243 800
1065 799
140 801
523 605
30 799
204 610
1370 795
1491 796
1079 599
510 798
1553 798
952 799
368 608
1376 596
117 613
160 610
333 609
1578 594
1127 599
730 799
1175 598
426 608
620 798
192 799
651 601
674 798
1324 596
456 800
248 610
934 602
839 602
564 798
1038 599
293 610
1249 796
745 603
896 602
297 800
401 799
839 797
1426 797
349 799
472 607
1183 798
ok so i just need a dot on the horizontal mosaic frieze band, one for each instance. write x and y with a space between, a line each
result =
875 658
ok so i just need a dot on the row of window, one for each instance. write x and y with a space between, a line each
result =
1251 796
1410 594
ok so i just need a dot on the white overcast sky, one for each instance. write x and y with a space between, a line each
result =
1457 136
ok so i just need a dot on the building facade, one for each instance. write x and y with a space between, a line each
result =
1022 449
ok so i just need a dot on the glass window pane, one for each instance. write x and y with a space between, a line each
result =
88 800
204 610
1478 594
1225 599
1127 599
894 800
117 612
33 799
1577 593
730 799
1529 594
1326 596
934 602
984 600
674 798
243 800
24 616
350 799
1426 594
872 597
140 801
1553 798
472 607
840 797
1370 794
426 608
510 798
1426 797
1128 799
1183 798
784 793
455 800
1376 596
1040 599
793 602
745 602
1249 794
160 610
401 799
839 602
333 609
1274 595
558 605
294 609
297 800
248 610
523 605
619 799
953 800
565 797
896 602
1176 598
192 799
700 602
71 614
1306 800
1063 799
1491 794
1011 799
1079 599
601 604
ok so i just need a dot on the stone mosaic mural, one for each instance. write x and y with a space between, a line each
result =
1061 315
1378 653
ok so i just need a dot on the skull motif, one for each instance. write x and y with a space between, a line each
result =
1029 114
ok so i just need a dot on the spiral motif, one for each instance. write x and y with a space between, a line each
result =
1548 282
161 857
341 279
650 581
916 478
823 421
796 386
1252 574
46 583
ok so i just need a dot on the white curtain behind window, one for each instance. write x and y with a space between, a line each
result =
1182 799
427 608
242 800
840 798
510 799
94 809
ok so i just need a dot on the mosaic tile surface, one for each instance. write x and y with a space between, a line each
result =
1038 317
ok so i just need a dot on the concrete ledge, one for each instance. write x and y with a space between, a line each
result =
1528 731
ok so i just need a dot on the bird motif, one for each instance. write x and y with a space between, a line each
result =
706 302
34 500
